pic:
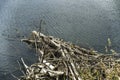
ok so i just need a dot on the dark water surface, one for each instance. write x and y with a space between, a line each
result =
84 22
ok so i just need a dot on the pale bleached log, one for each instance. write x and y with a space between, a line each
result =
55 73
48 64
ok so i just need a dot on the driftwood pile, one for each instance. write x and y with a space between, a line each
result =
59 60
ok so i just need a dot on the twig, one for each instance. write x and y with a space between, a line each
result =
21 68
15 77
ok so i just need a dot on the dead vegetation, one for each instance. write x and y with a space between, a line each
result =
60 60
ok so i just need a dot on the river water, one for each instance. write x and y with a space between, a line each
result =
84 22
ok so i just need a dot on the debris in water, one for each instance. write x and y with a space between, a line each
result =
59 60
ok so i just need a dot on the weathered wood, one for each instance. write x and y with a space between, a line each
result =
58 58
